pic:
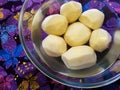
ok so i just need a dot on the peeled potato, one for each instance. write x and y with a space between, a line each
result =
71 10
54 46
79 57
92 18
77 34
55 24
100 40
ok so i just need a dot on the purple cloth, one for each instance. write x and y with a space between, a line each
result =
16 71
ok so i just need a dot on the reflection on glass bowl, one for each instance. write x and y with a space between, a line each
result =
54 67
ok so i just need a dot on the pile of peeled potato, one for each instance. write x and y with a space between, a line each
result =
76 29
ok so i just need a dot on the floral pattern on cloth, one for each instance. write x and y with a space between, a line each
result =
16 70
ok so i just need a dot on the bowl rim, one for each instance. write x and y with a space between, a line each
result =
48 74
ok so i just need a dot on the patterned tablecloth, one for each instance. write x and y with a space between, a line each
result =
13 60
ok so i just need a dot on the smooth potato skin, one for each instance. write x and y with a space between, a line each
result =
92 18
77 34
71 10
100 40
79 57
55 24
54 45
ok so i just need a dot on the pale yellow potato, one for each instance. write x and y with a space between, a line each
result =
71 10
77 34
55 24
100 40
79 57
93 18
54 45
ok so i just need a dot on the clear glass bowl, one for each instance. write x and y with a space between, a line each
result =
106 70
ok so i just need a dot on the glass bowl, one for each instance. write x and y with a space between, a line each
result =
104 72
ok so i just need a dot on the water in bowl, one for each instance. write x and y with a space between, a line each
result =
104 59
